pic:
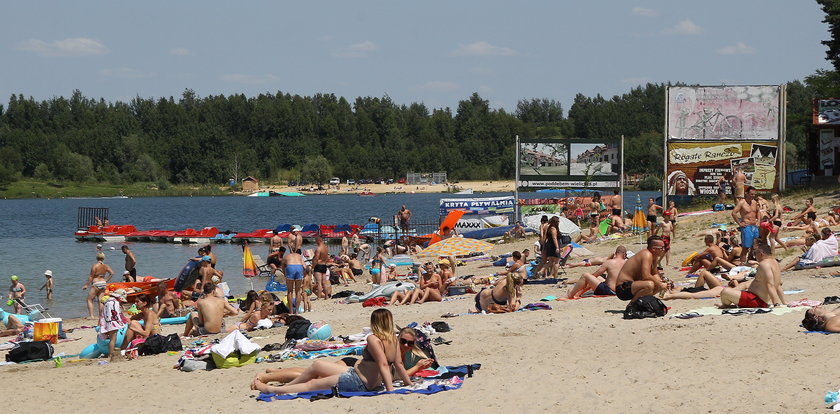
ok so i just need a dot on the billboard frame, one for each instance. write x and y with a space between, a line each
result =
594 182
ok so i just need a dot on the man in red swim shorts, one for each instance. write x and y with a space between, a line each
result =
764 291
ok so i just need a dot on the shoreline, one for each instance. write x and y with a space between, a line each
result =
377 189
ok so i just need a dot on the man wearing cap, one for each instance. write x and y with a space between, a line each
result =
130 262
16 291
48 284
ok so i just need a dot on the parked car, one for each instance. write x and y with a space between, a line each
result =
292 183
351 182
390 181
335 181
401 181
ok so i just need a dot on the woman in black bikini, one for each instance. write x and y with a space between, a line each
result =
507 292
552 245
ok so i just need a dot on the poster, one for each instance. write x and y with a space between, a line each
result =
694 168
481 206
827 111
570 163
483 222
723 113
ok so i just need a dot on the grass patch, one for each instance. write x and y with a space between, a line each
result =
39 189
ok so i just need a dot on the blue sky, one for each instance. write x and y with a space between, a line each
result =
435 52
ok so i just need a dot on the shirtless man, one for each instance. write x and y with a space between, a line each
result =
276 242
666 230
295 241
705 258
210 318
295 270
652 211
355 265
167 303
97 281
345 245
402 218
596 281
130 262
747 208
275 258
205 270
323 289
766 288
639 277
739 181
615 204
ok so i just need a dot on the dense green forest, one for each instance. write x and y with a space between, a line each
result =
280 136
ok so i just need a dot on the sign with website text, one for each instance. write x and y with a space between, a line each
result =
569 163
695 168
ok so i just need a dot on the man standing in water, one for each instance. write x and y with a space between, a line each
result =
295 270
323 289
402 217
130 262
275 243
747 207
97 281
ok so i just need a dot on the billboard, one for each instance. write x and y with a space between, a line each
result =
694 168
723 112
569 163
827 111
479 206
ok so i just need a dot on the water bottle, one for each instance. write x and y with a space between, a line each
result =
831 397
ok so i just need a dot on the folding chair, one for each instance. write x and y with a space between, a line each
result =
564 256
262 268
27 309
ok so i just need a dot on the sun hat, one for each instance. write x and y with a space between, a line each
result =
48 273
444 262
119 294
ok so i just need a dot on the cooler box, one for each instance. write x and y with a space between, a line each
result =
47 330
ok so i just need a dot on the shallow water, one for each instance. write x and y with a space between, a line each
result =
38 234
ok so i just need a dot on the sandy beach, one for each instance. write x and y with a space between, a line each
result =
581 356
396 188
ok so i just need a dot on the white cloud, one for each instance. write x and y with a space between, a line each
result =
75 46
483 49
439 86
684 27
126 73
249 79
180 51
641 11
357 50
739 48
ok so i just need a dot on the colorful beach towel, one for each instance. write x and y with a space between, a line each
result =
449 378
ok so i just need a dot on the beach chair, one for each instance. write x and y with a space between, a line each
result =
27 309
564 256
262 268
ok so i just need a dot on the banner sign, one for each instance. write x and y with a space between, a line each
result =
827 111
569 163
723 113
695 168
485 222
481 206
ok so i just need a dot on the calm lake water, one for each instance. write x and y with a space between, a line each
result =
38 234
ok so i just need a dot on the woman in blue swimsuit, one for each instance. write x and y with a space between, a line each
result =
378 277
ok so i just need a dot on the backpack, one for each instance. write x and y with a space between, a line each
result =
158 344
30 351
298 329
646 307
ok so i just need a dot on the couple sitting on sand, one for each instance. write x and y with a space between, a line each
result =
385 351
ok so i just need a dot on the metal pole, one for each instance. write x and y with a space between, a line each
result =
780 149
516 185
621 176
665 150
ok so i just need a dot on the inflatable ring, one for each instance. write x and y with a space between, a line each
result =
689 258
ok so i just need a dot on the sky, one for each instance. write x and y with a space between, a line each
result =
434 52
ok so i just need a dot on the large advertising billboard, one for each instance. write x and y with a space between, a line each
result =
570 163
723 113
827 111
695 168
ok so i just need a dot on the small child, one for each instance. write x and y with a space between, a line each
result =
307 291
49 284
111 320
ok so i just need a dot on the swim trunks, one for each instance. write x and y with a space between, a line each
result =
356 272
651 218
616 212
133 272
294 272
750 300
624 291
603 290
320 268
748 235
667 241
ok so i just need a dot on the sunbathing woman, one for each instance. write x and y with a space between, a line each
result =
372 373
707 286
414 360
819 318
151 321
504 296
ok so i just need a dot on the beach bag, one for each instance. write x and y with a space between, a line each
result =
719 207
298 329
158 344
30 351
646 307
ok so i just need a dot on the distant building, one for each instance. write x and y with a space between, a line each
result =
250 184
607 153
541 159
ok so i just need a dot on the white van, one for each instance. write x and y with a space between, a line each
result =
335 181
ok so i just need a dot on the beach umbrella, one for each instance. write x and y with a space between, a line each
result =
455 246
249 266
639 218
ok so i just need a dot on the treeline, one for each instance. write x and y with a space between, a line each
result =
278 137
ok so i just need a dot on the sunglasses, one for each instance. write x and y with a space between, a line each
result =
406 342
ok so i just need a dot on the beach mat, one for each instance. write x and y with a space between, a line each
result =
448 379
711 310
586 296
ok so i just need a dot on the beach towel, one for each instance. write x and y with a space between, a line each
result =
450 378
711 310
235 341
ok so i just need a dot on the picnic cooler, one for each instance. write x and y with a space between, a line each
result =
47 330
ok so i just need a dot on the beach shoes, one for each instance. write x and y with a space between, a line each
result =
688 315
273 347
440 326
829 300
440 341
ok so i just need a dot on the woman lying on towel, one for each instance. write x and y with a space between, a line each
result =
819 318
414 360
708 286
501 298
372 373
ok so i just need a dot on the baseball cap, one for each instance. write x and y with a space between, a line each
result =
48 273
